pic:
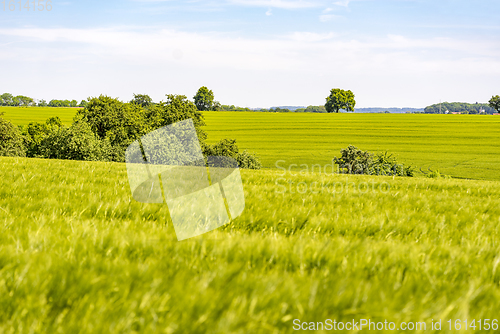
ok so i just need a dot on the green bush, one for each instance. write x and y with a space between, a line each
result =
77 142
11 140
228 148
356 161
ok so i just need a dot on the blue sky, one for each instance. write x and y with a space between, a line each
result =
256 53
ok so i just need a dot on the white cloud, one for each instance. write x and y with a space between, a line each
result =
269 12
287 4
301 65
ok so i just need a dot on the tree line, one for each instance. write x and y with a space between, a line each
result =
106 126
465 108
7 99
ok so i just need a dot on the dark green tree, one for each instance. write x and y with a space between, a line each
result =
11 140
6 99
340 99
494 102
142 100
204 99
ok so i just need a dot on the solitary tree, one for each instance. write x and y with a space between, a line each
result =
495 102
142 100
204 99
340 99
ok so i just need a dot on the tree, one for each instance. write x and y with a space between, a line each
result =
495 102
42 103
118 122
142 99
204 99
340 99
6 99
83 103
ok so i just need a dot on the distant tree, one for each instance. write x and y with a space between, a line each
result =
73 103
23 100
494 102
6 99
83 103
320 109
340 99
142 100
204 99
42 103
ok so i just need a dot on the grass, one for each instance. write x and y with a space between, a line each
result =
463 146
77 254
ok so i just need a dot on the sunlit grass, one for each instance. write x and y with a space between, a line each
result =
78 254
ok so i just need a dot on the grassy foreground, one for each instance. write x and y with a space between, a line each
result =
77 254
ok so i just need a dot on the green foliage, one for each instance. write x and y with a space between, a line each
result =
11 140
115 121
60 103
142 99
317 109
177 108
228 148
356 161
494 103
459 107
42 103
77 142
232 108
83 103
340 99
204 100
6 99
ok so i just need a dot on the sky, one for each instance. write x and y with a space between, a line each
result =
254 53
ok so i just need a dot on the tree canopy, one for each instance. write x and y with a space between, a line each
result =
495 103
340 99
204 100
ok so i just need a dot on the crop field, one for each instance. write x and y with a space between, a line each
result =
463 146
25 115
78 254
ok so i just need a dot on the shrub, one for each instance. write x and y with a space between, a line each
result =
356 161
77 142
11 140
228 148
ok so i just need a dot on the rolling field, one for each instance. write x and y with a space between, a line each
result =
78 254
23 116
463 146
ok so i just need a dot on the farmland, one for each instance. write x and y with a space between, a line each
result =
25 115
463 146
77 254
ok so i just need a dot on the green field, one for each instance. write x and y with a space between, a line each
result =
25 115
78 254
463 146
